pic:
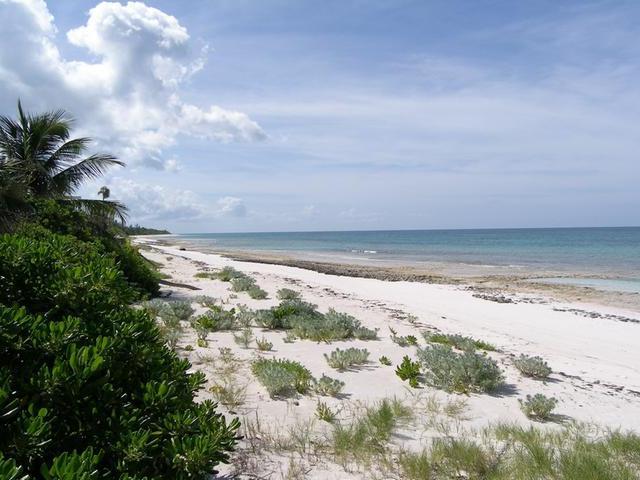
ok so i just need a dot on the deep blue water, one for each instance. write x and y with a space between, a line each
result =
602 251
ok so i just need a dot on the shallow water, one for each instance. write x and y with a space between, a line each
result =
606 252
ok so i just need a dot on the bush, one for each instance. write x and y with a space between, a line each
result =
344 359
218 319
368 435
60 218
242 284
227 274
534 367
409 370
538 407
287 294
257 293
459 372
459 342
409 340
263 344
281 377
80 371
328 386
244 338
306 322
324 413
384 360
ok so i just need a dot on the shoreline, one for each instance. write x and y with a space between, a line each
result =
591 350
498 286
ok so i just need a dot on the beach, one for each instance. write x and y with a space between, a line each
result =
590 347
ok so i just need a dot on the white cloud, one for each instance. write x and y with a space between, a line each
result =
153 202
128 98
231 207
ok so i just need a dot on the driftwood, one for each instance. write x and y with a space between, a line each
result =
179 285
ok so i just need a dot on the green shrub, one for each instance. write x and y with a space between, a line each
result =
533 367
263 344
459 342
281 377
58 217
206 301
409 370
384 360
244 338
328 386
180 309
307 323
287 294
218 319
403 341
459 372
227 274
80 371
344 359
281 316
368 435
201 331
538 407
324 413
242 284
257 293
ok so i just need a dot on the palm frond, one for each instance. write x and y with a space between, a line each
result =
107 209
68 180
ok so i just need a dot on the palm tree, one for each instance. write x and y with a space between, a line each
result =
105 192
36 151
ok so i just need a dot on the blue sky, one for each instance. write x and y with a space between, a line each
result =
299 115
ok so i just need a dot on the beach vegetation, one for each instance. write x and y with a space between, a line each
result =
227 274
282 377
328 386
288 294
366 437
324 412
244 337
404 341
532 367
72 350
305 322
257 293
538 407
463 372
201 331
263 344
206 301
218 319
458 342
384 360
409 370
347 358
229 391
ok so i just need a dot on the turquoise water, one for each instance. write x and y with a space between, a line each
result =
610 252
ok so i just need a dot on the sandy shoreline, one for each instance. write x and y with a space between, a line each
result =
500 283
592 349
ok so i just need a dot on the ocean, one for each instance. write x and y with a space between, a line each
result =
604 253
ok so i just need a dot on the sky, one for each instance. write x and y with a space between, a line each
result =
294 115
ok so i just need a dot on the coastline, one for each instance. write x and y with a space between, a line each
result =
501 285
592 351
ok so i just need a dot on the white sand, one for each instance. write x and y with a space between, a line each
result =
596 361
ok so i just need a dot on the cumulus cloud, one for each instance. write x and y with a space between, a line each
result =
231 207
128 97
151 202
154 202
